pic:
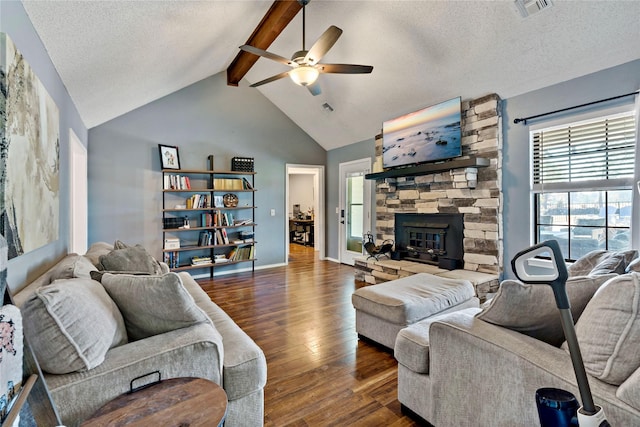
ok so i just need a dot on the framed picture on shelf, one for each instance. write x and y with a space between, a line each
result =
169 157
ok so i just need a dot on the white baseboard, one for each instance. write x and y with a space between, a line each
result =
332 260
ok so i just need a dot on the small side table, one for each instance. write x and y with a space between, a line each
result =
173 402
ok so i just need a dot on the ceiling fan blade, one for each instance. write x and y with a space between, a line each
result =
344 68
268 55
271 79
322 45
314 88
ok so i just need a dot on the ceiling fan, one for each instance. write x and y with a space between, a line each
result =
305 65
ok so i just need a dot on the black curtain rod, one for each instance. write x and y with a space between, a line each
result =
524 120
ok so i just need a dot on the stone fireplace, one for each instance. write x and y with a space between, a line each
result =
435 239
473 193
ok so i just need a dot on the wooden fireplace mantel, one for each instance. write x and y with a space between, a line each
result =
429 168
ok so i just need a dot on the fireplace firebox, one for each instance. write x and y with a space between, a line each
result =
430 238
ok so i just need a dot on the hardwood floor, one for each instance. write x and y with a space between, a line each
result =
319 373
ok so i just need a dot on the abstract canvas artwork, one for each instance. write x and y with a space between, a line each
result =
29 155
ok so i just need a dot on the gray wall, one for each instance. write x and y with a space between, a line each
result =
360 150
15 22
516 177
208 117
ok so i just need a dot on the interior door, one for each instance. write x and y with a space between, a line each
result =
355 208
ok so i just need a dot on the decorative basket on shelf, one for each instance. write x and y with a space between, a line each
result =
230 200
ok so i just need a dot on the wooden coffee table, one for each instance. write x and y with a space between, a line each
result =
173 402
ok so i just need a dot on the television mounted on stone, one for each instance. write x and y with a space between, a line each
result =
428 135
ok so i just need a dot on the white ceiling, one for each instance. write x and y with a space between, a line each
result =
115 56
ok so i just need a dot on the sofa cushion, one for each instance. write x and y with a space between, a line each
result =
412 343
598 262
73 266
609 330
629 390
245 367
152 305
531 309
71 324
131 258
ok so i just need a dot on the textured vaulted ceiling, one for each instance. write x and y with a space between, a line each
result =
115 56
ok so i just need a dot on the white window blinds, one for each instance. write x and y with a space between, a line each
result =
596 154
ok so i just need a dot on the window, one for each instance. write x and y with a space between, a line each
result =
583 183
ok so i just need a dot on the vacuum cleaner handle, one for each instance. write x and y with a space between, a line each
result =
554 275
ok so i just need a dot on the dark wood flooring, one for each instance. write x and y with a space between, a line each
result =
319 372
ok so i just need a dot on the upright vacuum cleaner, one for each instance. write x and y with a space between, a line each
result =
555 275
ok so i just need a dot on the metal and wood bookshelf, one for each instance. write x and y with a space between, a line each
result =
208 219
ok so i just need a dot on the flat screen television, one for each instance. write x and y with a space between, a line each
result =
426 135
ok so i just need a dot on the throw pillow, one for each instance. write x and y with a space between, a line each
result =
633 266
152 305
73 266
615 263
71 324
97 249
609 330
532 310
132 258
119 244
597 260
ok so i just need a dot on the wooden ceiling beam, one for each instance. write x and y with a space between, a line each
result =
279 15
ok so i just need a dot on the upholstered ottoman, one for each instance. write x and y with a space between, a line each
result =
383 310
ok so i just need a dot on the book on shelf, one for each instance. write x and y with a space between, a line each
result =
200 260
246 234
199 201
219 238
225 237
176 182
241 253
172 259
242 221
228 184
206 219
172 243
246 185
205 238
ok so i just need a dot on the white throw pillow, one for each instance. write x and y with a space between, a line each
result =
609 330
71 324
152 305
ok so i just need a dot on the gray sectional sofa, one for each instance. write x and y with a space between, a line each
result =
92 336
482 366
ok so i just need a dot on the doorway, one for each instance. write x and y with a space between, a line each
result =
306 206
355 208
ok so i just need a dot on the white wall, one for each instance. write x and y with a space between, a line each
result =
301 192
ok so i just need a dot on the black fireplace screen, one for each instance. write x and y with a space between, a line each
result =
429 238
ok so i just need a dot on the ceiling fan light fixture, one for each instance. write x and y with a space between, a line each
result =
304 75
